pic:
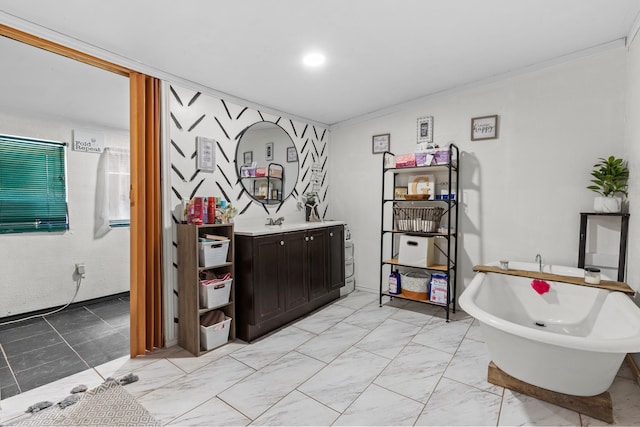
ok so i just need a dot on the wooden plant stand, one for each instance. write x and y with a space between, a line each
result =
599 407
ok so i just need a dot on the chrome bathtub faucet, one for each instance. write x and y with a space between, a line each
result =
539 260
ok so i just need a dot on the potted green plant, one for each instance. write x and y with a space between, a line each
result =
610 176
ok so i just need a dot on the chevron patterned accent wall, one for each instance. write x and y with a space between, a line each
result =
195 114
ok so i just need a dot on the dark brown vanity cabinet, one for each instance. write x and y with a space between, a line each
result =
283 276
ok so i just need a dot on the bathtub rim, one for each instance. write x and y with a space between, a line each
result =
604 345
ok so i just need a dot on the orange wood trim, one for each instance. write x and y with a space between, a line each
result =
41 43
137 233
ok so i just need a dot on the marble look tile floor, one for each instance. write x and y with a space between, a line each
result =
350 363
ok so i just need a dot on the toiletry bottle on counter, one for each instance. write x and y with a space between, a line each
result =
394 283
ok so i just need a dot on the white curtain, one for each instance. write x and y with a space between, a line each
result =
112 193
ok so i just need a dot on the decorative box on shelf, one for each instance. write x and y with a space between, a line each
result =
416 250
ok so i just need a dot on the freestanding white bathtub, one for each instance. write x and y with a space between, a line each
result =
571 339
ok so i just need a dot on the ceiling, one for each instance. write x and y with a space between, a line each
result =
380 53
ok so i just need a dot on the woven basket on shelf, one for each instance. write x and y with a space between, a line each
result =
418 219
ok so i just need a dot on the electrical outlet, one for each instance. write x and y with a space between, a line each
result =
80 269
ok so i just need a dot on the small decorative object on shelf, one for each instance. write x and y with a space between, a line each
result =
419 231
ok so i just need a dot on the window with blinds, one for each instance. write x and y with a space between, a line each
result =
33 191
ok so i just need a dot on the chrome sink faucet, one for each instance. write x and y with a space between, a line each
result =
271 221
539 260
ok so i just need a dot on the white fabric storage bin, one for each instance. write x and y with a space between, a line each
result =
349 269
415 250
213 252
215 335
213 294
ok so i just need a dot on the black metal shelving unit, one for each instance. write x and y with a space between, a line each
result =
624 235
388 260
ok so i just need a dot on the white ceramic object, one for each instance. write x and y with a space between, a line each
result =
607 204
571 339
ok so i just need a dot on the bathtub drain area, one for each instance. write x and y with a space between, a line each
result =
541 324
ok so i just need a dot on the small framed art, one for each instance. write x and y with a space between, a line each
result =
425 129
247 157
292 154
380 143
205 154
268 151
485 127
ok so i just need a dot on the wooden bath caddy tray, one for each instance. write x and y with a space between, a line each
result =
604 284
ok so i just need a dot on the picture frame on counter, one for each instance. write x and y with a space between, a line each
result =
400 192
484 127
425 130
380 143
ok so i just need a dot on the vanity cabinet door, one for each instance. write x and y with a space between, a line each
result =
336 257
268 277
318 262
295 269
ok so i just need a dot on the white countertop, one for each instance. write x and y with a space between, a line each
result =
261 229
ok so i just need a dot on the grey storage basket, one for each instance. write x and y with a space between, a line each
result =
419 219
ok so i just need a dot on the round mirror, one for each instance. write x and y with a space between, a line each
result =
267 162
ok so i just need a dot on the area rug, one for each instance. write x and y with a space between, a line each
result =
106 405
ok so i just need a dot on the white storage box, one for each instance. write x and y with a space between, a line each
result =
213 294
349 269
213 252
215 335
415 250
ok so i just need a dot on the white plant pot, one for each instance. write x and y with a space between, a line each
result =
607 204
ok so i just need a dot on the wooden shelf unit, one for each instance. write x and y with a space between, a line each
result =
189 307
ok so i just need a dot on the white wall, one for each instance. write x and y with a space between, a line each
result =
522 193
632 153
37 269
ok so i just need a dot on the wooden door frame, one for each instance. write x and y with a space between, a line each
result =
137 224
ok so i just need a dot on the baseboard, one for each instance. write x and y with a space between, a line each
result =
73 305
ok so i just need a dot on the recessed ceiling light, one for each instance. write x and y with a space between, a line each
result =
314 59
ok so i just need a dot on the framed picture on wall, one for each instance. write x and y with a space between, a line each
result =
425 129
268 151
247 157
380 143
292 154
205 154
485 127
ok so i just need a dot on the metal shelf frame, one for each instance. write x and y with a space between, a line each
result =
451 205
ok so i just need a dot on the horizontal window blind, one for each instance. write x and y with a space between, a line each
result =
33 195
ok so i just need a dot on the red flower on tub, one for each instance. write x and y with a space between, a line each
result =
540 286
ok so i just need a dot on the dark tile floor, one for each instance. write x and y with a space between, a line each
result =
42 350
